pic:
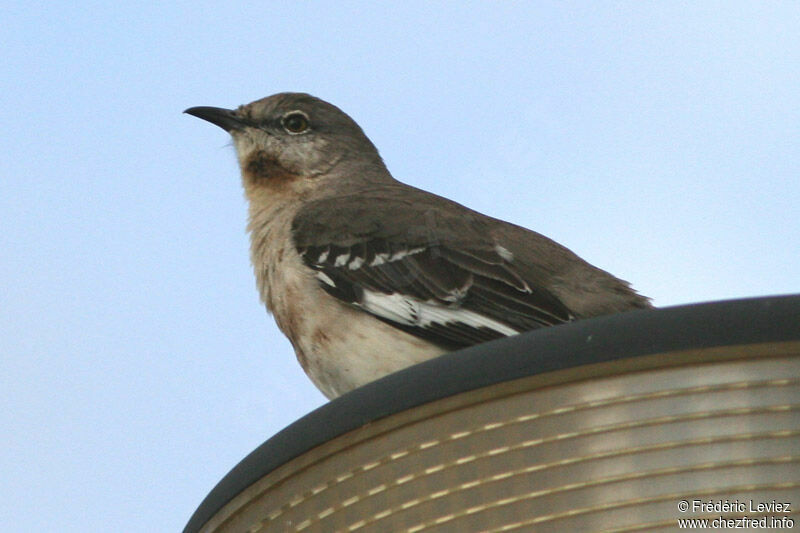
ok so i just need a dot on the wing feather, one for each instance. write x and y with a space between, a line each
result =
448 282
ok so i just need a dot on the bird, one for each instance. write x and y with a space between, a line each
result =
367 275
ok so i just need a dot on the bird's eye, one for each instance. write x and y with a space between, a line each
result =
296 122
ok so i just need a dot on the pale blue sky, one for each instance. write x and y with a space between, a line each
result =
659 141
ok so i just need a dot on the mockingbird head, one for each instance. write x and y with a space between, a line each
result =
295 142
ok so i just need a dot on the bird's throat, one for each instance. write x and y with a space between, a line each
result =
264 169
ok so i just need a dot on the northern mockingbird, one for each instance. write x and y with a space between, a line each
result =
366 275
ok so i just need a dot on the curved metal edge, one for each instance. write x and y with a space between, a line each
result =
596 340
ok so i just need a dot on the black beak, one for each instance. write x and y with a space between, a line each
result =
224 118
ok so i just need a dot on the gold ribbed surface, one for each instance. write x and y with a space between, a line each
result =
614 447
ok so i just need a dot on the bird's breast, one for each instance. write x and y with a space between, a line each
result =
339 346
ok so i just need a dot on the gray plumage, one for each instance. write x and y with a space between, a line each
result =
366 275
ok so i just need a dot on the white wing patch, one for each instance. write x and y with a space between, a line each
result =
504 252
412 312
341 260
324 278
402 253
395 307
355 263
379 259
